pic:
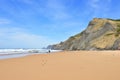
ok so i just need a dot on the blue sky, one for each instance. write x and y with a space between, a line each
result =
38 23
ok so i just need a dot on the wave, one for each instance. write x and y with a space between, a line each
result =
13 53
24 51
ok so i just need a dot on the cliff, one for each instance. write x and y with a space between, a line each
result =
101 34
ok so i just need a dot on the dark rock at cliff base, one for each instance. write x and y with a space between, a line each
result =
101 34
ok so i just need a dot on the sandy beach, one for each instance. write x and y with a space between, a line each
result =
66 65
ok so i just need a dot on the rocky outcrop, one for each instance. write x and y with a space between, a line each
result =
101 34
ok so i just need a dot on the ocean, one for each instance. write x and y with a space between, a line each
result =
14 53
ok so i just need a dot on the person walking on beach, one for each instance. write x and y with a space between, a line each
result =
49 51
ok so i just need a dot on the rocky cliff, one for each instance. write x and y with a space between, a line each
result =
101 34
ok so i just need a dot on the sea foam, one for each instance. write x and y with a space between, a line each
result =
13 53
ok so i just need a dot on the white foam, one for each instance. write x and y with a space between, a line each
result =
15 51
12 53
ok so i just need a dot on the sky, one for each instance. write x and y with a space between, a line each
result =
38 23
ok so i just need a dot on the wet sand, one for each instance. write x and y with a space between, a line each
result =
67 65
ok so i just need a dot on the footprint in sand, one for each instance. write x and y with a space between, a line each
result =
44 62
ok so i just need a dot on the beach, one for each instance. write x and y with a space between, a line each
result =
64 65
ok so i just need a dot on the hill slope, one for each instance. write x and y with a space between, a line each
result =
101 34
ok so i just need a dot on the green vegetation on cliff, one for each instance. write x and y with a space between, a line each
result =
101 34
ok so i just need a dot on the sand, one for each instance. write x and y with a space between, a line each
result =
67 65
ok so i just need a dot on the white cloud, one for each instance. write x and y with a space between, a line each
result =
98 3
5 21
55 10
19 38
99 6
51 9
94 4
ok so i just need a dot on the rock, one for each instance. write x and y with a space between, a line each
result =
101 34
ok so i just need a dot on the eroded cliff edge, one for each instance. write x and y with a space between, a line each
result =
101 34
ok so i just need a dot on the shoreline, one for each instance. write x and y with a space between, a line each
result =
19 55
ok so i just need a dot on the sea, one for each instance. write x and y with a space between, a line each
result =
14 53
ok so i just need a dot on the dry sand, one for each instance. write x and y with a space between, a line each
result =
67 65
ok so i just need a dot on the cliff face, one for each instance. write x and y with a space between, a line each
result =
101 34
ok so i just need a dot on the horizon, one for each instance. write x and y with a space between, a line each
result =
39 23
